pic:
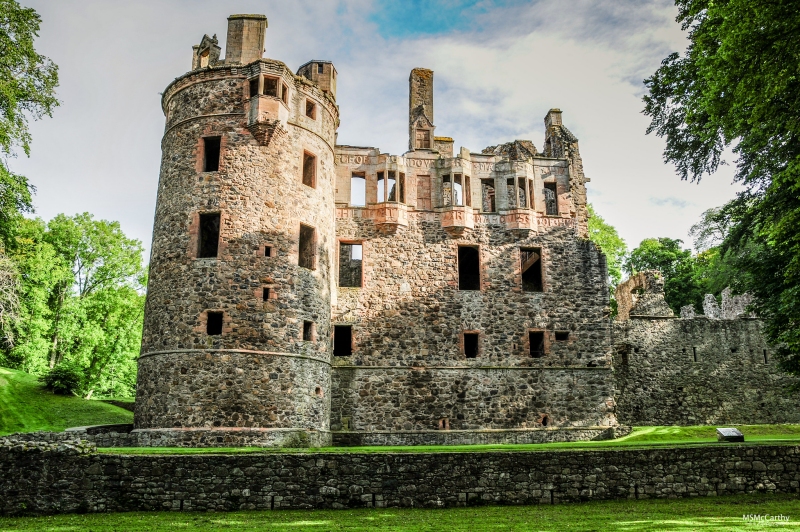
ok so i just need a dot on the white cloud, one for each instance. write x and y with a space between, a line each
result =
495 80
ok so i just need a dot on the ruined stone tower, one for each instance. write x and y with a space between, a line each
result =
243 249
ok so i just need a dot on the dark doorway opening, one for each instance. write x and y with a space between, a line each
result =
342 340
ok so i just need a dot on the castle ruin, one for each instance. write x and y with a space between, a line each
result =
304 292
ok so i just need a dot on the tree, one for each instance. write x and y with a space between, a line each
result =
82 285
27 89
738 86
675 263
607 239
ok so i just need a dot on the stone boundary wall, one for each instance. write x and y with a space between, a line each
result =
49 478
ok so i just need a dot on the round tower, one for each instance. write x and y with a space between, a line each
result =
235 347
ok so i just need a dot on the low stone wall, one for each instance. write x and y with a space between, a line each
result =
48 478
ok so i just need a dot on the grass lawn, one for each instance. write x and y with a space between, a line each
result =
639 438
708 513
25 406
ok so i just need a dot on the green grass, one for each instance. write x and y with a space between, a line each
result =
640 437
684 515
25 406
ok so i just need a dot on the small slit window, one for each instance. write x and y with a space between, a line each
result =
471 344
211 148
469 272
342 340
307 247
208 245
285 94
531 267
358 190
309 170
213 323
268 251
311 109
350 261
320 68
265 293
536 343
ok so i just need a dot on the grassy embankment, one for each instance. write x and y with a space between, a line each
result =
641 437
690 514
25 406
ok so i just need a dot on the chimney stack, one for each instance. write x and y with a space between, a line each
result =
245 42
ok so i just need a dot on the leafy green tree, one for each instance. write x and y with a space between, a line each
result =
27 89
675 263
738 86
614 247
83 302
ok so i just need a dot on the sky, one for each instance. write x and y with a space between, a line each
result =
499 66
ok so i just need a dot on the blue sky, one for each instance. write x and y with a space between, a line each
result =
499 66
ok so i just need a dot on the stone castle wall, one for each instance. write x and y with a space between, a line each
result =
91 482
698 371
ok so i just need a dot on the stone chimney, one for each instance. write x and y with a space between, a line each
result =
245 42
420 109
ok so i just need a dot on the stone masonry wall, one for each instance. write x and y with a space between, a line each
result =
261 371
42 478
672 371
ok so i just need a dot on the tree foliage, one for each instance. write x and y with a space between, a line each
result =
607 239
738 86
678 266
27 90
81 283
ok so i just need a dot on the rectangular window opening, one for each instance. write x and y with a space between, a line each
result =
268 251
447 190
469 268
311 110
401 188
254 87
531 264
211 148
694 354
214 323
320 68
358 190
391 185
471 345
458 190
307 247
209 235
350 260
309 170
271 87
308 331
511 193
342 340
266 292
523 203
381 188
424 192
487 196
285 94
562 336
423 139
766 360
536 342
551 199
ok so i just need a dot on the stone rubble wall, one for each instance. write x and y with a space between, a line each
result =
659 382
49 478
